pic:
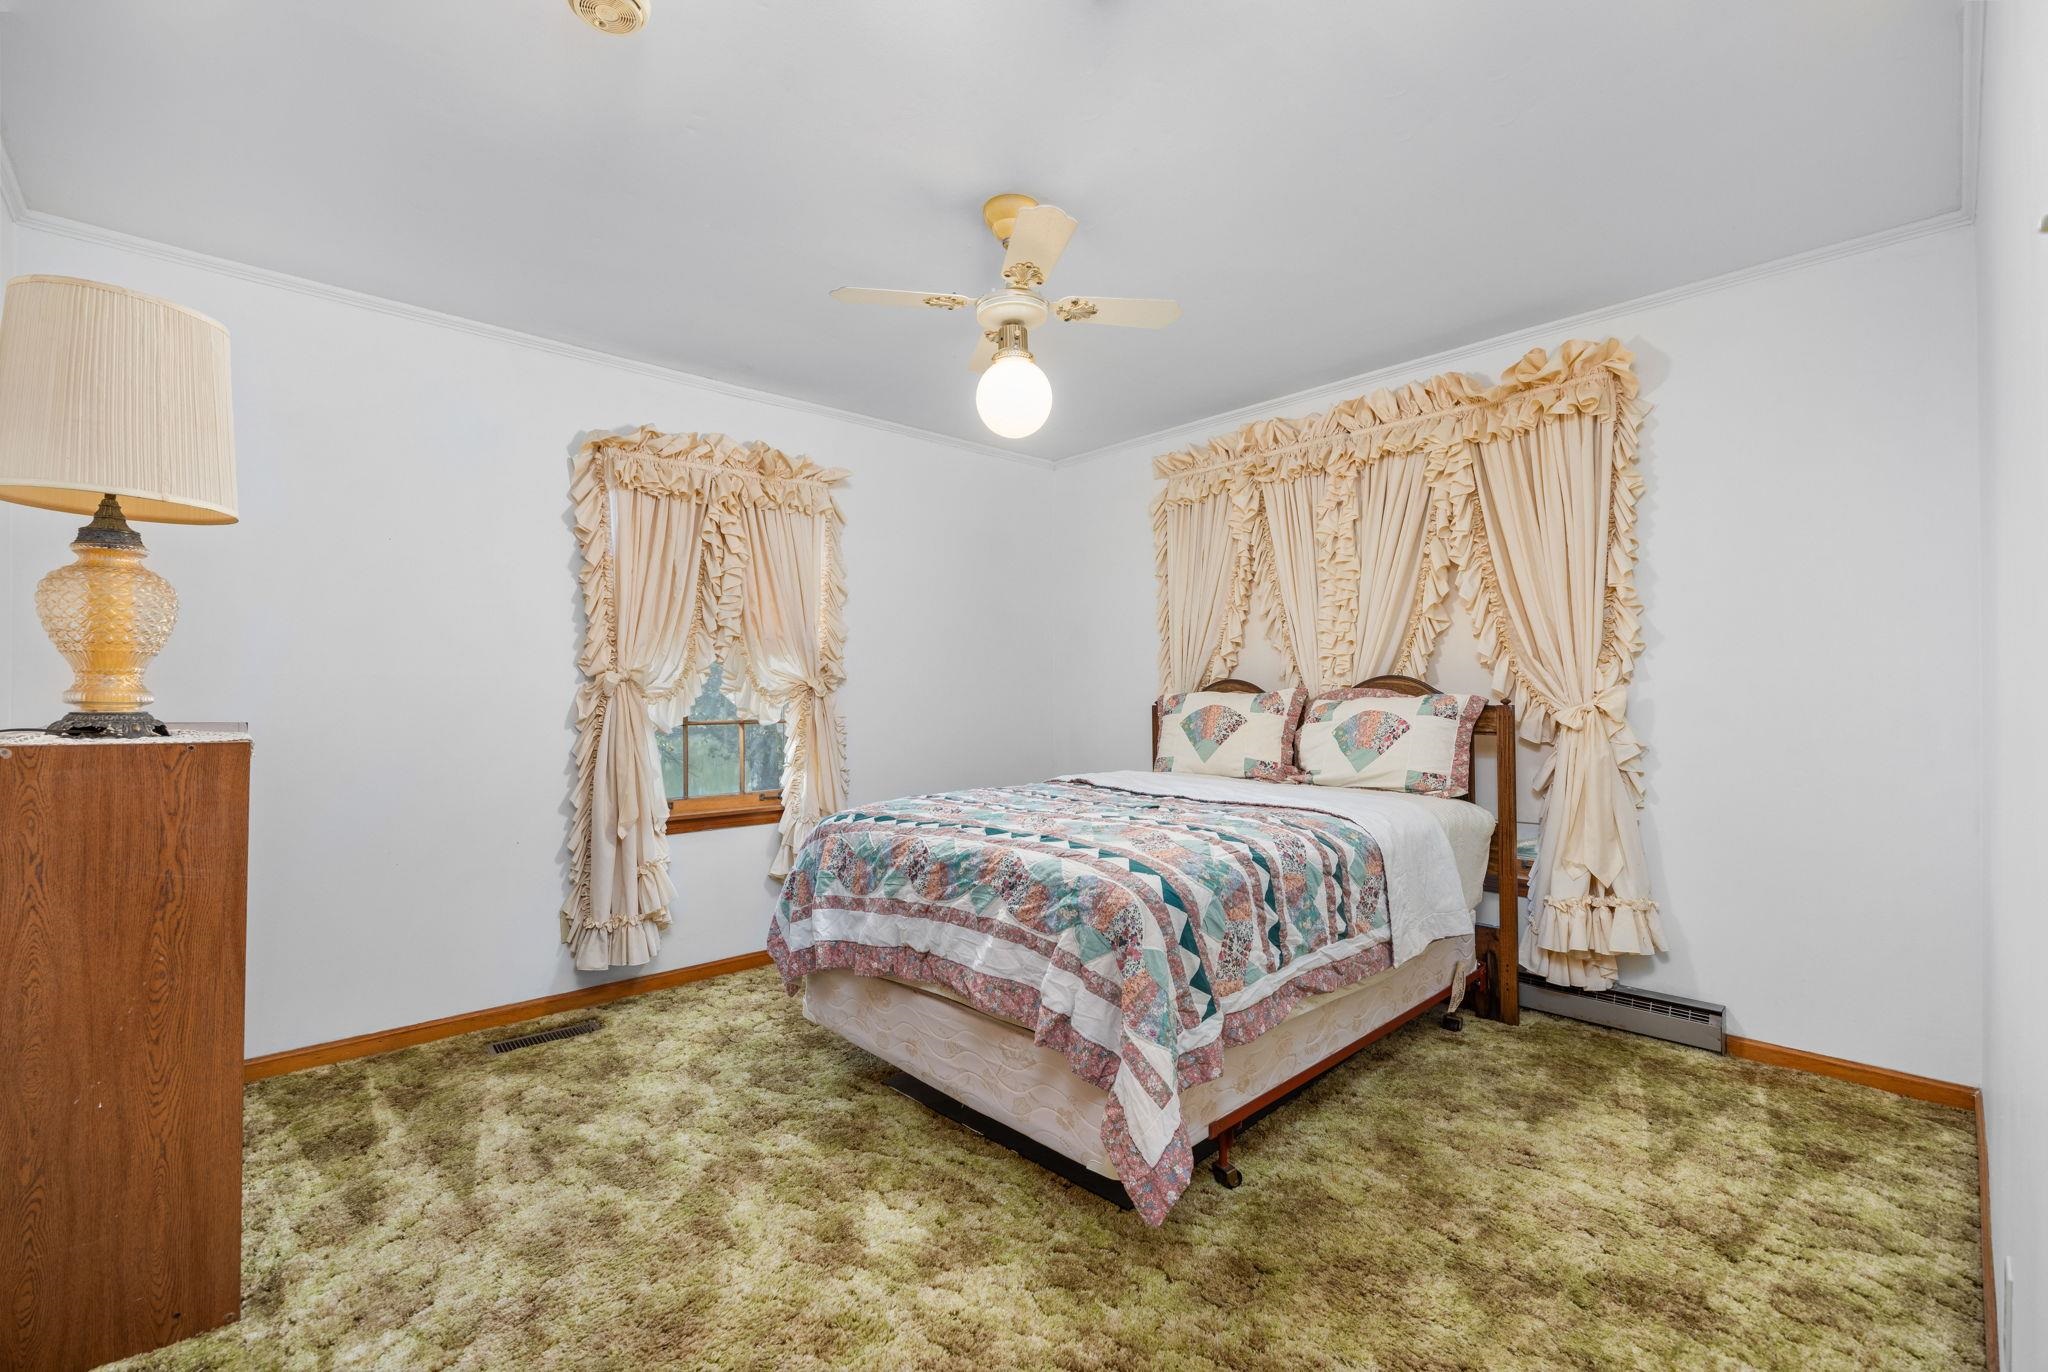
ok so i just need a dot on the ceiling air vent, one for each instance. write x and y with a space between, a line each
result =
1694 1023
612 16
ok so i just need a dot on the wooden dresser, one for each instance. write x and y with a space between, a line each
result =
123 880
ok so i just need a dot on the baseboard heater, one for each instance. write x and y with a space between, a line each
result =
1657 1014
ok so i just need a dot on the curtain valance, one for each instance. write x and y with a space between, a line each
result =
1421 416
695 549
714 467
1362 519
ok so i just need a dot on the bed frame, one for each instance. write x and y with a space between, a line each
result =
1493 989
1495 982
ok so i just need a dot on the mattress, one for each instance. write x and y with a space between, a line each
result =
1469 827
1138 922
994 1067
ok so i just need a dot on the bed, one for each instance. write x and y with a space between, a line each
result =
1115 973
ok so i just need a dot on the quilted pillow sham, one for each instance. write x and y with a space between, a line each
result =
1379 740
1230 733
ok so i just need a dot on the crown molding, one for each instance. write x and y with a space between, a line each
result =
1545 335
263 276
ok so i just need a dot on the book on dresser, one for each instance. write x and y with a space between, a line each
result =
123 885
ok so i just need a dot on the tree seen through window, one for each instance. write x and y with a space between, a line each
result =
719 752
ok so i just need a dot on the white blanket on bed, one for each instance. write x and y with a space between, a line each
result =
1425 899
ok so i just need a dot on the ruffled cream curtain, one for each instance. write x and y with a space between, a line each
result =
1541 508
1342 553
1333 511
1205 544
695 549
645 654
1363 517
1288 518
787 659
1371 539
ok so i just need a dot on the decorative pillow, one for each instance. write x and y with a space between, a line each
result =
1230 733
1386 741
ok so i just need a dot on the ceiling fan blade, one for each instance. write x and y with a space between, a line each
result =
1110 309
1036 241
933 300
984 353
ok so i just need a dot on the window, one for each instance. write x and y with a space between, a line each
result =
719 768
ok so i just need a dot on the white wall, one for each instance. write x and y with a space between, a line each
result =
1812 583
2013 306
396 616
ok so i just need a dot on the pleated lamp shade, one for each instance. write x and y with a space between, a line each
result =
108 391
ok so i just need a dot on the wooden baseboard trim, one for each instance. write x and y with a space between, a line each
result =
406 1036
1949 1093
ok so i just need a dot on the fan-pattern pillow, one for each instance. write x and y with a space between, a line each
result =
1230 733
1380 740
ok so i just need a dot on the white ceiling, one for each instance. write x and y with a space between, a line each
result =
1327 188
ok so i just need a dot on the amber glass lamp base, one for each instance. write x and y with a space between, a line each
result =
109 616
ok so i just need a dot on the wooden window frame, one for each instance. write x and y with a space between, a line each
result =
693 813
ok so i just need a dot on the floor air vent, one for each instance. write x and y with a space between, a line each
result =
566 1031
1654 1013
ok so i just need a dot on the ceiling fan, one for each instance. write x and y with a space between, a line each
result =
1013 396
612 16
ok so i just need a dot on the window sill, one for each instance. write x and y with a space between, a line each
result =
723 812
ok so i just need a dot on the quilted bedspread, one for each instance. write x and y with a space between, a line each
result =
1136 934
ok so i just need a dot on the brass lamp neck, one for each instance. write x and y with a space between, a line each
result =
109 528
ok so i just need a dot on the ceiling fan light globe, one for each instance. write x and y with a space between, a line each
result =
1014 397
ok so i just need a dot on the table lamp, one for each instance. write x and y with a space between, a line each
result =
113 404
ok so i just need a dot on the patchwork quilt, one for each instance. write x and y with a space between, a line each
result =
1136 934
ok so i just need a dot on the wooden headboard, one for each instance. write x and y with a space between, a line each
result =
1498 950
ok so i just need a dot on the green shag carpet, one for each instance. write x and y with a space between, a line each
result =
712 1182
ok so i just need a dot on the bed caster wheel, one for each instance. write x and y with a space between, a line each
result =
1451 1023
1227 1176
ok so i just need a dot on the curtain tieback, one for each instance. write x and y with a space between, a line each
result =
1610 703
804 686
608 682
